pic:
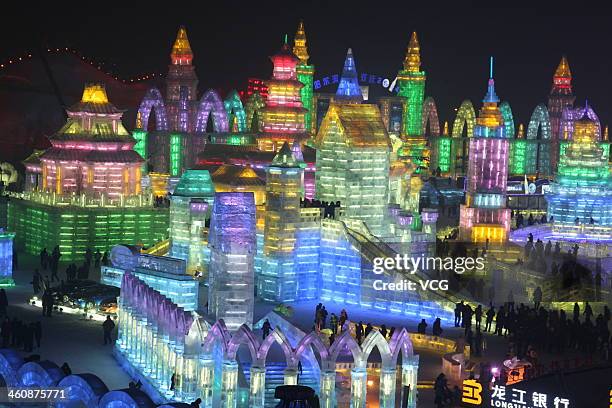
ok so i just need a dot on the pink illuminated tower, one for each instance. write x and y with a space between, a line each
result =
284 117
484 215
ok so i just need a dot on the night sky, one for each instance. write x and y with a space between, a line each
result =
233 43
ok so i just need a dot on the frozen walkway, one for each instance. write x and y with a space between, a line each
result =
65 338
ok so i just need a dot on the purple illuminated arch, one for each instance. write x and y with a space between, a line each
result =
244 335
280 338
346 340
377 339
211 103
401 342
217 333
312 339
430 115
153 100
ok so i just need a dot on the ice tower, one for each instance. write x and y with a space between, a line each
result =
232 243
412 87
561 96
181 84
580 200
284 117
286 275
190 207
305 74
349 90
353 153
484 215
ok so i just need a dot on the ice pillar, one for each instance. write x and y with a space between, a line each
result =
232 240
359 379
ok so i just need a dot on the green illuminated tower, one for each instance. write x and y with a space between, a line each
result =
412 87
305 73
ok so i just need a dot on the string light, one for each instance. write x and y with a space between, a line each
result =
99 65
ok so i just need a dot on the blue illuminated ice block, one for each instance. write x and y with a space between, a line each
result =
233 244
6 258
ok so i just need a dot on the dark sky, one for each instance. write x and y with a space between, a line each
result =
234 42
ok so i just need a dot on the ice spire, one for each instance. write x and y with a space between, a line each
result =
299 44
181 50
412 61
491 97
349 88
563 70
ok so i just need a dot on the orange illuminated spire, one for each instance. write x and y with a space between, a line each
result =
181 50
563 70
445 131
412 62
299 44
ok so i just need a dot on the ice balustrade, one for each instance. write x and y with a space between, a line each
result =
166 344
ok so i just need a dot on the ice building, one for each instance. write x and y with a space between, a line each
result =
231 273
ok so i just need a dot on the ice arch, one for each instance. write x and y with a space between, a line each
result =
236 116
508 118
253 110
153 100
465 120
430 116
211 103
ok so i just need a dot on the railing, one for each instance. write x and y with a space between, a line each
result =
85 201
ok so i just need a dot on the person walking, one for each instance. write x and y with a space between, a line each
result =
38 333
359 332
333 323
490 316
44 259
108 327
36 282
267 328
3 302
97 258
458 312
537 298
422 327
437 327
478 313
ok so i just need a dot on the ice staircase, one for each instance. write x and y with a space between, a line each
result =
275 375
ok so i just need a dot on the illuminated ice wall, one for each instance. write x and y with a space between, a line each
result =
233 245
190 207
